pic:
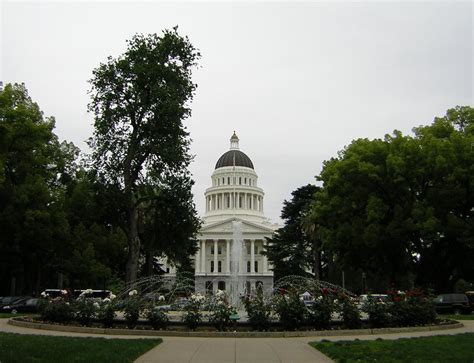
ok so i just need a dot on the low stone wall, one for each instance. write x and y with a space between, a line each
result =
256 334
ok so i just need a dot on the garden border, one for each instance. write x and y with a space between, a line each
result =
252 334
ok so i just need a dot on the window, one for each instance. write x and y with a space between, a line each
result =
228 180
240 181
219 250
248 266
256 266
259 285
223 181
221 285
167 270
219 266
209 287
212 250
212 266
247 246
245 181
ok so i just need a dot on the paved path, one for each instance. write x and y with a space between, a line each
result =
223 350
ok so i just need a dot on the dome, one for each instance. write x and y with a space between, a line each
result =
227 159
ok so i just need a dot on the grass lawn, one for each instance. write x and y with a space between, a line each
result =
445 348
38 348
458 317
9 315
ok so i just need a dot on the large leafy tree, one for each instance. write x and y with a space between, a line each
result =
293 248
34 169
402 206
139 101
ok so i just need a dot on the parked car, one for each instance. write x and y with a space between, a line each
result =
452 303
363 299
94 294
27 305
9 300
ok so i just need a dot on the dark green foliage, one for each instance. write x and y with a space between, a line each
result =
193 311
402 206
139 102
350 313
378 313
131 311
157 318
290 250
291 311
15 348
450 348
57 311
106 314
258 311
85 310
412 308
320 313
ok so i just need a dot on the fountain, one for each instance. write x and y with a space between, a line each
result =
236 281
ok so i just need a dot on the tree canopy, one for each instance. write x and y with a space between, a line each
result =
139 102
402 206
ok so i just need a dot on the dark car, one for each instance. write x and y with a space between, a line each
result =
27 305
8 300
452 303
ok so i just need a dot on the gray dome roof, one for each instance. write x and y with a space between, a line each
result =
227 159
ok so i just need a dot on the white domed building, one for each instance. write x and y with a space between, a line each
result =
234 229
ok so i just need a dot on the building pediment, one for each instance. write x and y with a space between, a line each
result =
227 226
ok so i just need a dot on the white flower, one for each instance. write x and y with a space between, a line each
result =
112 296
44 294
88 291
132 293
96 305
63 292
400 292
106 300
161 298
320 298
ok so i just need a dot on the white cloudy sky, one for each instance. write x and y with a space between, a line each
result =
297 81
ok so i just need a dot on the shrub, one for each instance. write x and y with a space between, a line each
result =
258 311
56 310
85 310
131 310
106 313
291 310
221 312
319 314
192 311
349 311
411 308
157 318
378 312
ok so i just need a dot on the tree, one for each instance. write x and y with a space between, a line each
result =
139 101
290 250
402 206
34 169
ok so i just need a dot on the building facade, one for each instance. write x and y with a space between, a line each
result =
234 213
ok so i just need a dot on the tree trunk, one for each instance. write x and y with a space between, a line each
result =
133 245
316 260
149 262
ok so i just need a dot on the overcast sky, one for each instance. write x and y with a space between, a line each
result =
296 81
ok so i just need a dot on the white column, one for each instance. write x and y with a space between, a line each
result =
203 256
252 256
215 256
265 261
227 256
197 260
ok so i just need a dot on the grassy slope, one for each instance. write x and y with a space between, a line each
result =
446 348
37 348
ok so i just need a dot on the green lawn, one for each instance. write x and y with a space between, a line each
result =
9 315
36 348
445 348
458 317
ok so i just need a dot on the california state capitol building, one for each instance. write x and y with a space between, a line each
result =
233 199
